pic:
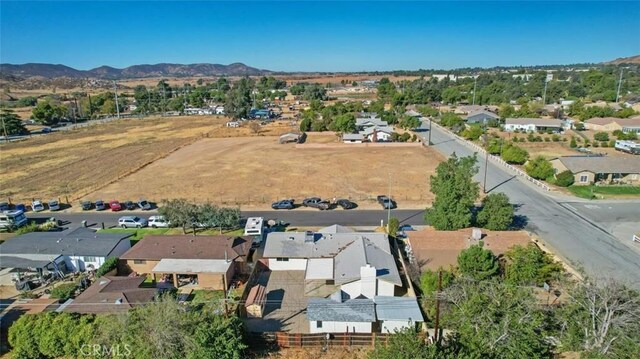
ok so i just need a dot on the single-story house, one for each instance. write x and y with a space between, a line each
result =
377 133
110 294
432 249
261 113
481 116
289 137
351 316
352 138
207 262
366 122
467 109
55 252
610 124
533 124
591 169
397 313
353 263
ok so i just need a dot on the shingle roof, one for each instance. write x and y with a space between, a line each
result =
369 130
111 294
154 247
601 164
354 310
336 228
535 121
398 308
352 136
482 112
624 122
371 121
81 242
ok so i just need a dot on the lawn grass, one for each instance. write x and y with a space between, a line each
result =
138 233
591 192
206 296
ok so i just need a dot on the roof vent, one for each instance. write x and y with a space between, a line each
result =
59 240
308 237
119 301
103 282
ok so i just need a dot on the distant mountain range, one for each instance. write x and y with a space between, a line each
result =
136 71
625 60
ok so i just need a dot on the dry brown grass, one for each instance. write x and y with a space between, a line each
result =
254 171
333 353
76 162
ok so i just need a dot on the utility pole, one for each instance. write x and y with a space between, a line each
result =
619 86
4 127
430 119
389 207
115 85
475 82
544 94
486 161
437 329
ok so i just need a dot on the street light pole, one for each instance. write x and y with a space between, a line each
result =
619 85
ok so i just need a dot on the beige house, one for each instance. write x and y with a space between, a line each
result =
588 170
203 262
610 124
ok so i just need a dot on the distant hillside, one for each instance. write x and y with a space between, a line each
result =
136 71
625 60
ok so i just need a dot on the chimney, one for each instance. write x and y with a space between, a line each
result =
375 135
368 282
308 237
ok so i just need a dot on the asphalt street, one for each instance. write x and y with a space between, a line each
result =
580 232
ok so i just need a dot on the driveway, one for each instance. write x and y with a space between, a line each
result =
286 304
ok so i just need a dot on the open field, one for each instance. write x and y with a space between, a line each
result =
254 171
77 162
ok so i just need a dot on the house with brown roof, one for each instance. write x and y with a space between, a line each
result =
432 249
110 294
604 169
610 124
203 262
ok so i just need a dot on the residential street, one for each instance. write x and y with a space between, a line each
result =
578 230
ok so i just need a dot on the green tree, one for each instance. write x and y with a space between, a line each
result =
473 132
450 119
455 193
528 265
514 154
345 123
564 179
48 113
179 213
478 263
409 122
106 267
238 99
64 291
11 123
386 90
601 136
496 213
539 168
573 143
305 124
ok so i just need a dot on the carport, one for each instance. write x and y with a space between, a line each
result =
209 273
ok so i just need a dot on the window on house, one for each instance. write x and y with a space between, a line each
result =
139 261
319 324
584 179
282 259
90 259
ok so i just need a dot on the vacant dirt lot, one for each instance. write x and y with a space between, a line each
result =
254 171
77 162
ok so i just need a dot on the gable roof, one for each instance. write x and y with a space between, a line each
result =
534 121
398 308
624 122
352 136
601 164
111 294
354 310
371 121
81 241
336 228
369 130
155 247
484 112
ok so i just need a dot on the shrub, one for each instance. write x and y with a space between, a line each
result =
547 139
555 138
604 144
496 213
106 267
63 291
414 138
539 168
601 136
596 144
514 154
612 143
564 179
478 263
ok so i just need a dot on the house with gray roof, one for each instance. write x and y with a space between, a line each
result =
377 133
352 138
397 313
353 316
79 250
365 122
481 116
588 170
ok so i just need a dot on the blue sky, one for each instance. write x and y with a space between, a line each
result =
319 36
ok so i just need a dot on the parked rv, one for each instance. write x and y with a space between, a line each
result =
628 147
12 219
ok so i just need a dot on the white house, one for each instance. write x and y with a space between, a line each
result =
377 133
397 313
533 124
366 122
77 251
219 110
329 316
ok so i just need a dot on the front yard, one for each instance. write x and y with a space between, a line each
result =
593 192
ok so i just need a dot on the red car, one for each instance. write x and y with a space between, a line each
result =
115 206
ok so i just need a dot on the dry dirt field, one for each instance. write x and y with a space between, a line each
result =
255 171
77 162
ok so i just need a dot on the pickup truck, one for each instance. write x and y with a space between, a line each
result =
316 202
386 202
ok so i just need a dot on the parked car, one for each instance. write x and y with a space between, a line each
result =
100 206
386 202
284 204
158 222
144 205
86 205
54 205
316 202
346 204
46 130
4 206
129 205
115 206
132 222
37 206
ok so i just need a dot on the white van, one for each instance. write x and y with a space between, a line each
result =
12 219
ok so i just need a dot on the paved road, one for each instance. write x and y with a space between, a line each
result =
577 232
295 217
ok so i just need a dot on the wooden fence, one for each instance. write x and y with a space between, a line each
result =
297 340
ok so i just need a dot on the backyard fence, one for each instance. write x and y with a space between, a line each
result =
497 159
319 340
